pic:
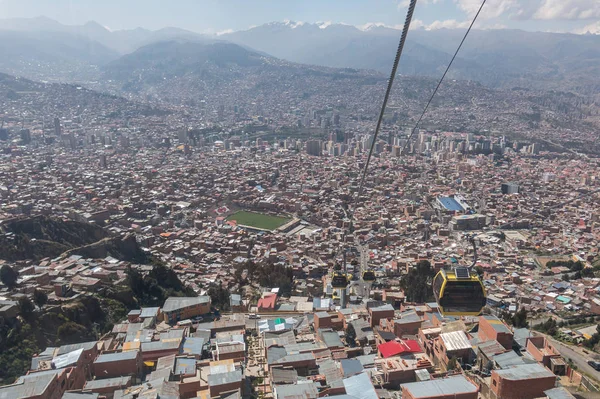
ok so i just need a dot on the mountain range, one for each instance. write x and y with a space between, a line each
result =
497 58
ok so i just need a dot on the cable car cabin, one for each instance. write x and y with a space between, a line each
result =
368 276
339 280
459 292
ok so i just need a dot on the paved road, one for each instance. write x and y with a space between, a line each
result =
579 359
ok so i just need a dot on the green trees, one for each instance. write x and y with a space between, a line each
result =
40 298
71 332
219 297
417 283
155 287
26 307
8 276
549 327
267 274
519 320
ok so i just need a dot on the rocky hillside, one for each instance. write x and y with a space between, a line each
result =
40 237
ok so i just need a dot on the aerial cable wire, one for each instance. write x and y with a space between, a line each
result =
412 133
409 15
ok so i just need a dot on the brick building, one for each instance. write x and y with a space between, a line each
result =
322 320
525 381
224 382
180 308
380 312
492 328
542 350
118 364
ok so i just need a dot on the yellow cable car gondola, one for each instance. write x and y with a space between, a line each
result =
459 292
368 276
339 280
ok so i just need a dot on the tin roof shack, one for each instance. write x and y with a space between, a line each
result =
181 308
453 344
108 386
526 381
118 364
455 387
492 328
543 351
224 382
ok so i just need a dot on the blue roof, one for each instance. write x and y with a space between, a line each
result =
450 204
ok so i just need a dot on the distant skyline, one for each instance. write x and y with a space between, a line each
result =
219 16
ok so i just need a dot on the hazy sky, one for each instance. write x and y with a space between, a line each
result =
212 16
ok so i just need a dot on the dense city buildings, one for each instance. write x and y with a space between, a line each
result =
188 241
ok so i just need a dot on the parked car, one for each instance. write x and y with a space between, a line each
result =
594 364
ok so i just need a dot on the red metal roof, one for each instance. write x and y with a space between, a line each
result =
267 302
393 348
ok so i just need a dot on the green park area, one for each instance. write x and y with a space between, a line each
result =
258 220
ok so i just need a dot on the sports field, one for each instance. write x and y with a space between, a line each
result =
258 220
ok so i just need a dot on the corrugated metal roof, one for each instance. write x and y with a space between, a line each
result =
107 383
497 324
184 365
193 346
330 369
175 303
29 385
440 387
360 385
160 345
525 372
331 339
67 359
149 312
297 391
456 340
300 357
224 378
116 357
351 367
284 376
491 348
559 393
508 359
80 395
73 347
